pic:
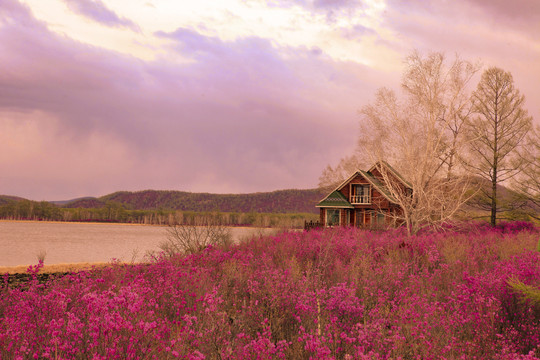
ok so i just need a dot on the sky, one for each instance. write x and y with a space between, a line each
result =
220 96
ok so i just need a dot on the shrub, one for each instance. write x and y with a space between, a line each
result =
196 236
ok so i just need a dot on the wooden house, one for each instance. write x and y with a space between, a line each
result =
365 199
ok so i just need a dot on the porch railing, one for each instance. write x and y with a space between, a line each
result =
360 199
308 225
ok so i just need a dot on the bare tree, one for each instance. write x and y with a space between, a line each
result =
497 132
195 236
437 94
422 134
331 177
531 179
528 182
430 203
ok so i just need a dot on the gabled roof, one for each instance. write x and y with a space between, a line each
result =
375 182
343 202
335 199
393 171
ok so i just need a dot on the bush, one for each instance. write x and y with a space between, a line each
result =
512 227
196 236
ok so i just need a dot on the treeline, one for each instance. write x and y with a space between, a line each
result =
281 201
114 212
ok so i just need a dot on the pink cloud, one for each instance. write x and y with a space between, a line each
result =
516 11
244 115
240 118
97 11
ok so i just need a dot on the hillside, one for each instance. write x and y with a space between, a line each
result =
511 204
6 199
281 201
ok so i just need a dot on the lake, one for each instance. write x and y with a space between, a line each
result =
22 241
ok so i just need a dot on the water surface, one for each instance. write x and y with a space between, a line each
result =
22 241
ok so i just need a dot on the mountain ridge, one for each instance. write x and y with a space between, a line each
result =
278 201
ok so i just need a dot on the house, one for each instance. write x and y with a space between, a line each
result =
365 199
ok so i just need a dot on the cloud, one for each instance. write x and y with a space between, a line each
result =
193 43
465 27
210 114
97 11
477 31
316 4
521 15
241 116
516 11
327 4
12 12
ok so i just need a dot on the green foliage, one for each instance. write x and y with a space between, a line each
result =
526 292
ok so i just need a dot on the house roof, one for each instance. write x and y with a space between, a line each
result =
375 182
335 199
393 171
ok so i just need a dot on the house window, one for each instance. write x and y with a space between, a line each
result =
378 218
332 217
360 220
360 194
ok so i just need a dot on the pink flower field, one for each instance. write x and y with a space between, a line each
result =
332 294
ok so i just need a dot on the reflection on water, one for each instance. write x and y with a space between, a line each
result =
21 242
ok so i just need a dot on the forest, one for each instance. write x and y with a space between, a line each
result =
154 210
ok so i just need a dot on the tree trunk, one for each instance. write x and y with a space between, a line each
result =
495 163
494 202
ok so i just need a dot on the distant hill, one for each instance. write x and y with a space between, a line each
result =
508 201
281 201
65 202
6 199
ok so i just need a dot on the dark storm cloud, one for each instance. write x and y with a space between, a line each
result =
97 11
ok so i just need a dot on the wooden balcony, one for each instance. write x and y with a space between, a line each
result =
360 199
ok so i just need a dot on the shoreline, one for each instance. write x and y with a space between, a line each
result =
53 268
77 222
20 265
121 223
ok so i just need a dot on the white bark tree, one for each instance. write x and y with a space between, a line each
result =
430 204
421 135
331 177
